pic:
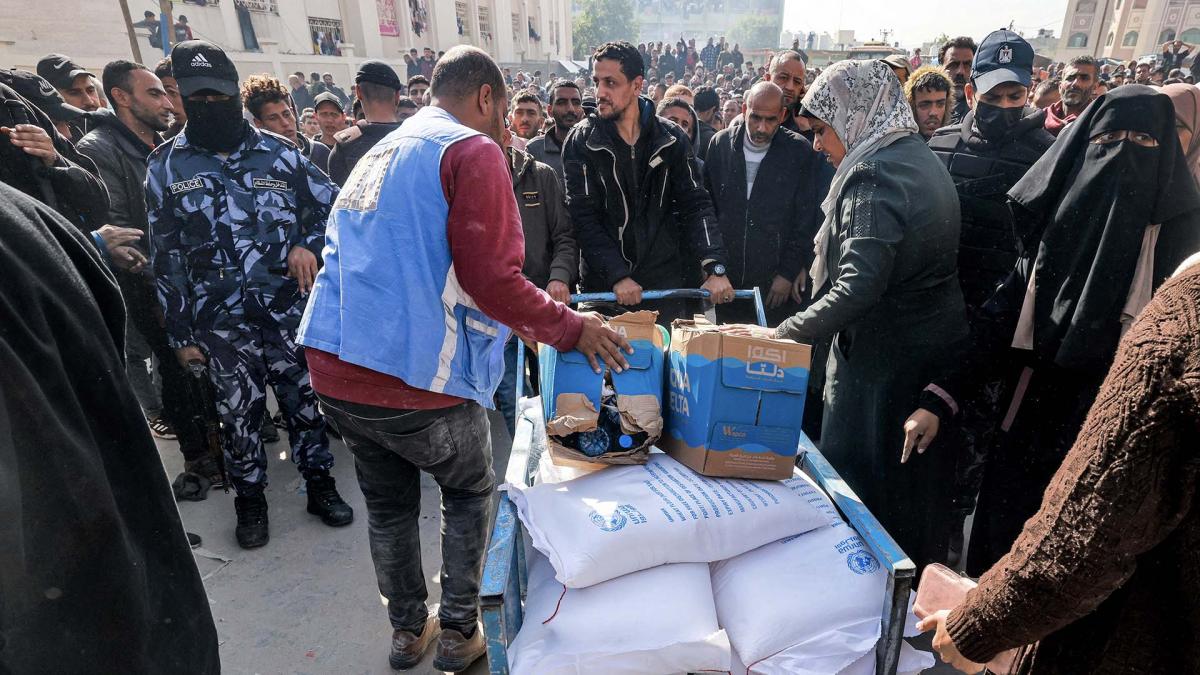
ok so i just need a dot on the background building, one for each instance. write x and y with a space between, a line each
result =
306 35
1126 29
753 24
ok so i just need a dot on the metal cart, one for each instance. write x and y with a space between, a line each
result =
502 592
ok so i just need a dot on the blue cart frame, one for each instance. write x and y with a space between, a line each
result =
502 592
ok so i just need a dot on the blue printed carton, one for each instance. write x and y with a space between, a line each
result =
734 403
572 391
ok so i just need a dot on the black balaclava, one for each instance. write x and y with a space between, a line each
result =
1081 212
218 127
996 123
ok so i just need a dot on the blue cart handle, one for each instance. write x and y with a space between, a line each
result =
673 294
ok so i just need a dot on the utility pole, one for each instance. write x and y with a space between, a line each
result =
166 25
133 43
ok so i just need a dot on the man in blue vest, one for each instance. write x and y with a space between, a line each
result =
405 334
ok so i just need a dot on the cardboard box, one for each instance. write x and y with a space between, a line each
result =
572 391
734 403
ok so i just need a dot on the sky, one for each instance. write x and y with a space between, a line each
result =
912 23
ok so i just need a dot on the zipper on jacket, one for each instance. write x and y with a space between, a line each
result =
745 245
586 192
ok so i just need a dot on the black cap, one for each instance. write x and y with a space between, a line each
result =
326 97
1003 56
199 65
59 70
378 72
40 93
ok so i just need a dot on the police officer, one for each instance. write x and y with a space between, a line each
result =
987 153
237 216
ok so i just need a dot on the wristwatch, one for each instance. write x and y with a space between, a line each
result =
715 269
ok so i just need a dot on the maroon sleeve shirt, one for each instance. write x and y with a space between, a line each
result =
487 246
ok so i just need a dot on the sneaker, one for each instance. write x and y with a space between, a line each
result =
409 648
268 432
456 653
160 429
324 500
252 526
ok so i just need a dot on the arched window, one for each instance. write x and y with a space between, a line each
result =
1079 40
1086 7
1108 42
1166 36
1191 35
1130 39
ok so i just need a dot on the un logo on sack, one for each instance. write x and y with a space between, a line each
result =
611 524
861 562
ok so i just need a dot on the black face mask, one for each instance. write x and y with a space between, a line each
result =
218 126
995 123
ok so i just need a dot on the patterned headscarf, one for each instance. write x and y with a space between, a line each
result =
1186 98
864 103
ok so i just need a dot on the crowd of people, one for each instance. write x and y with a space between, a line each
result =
978 260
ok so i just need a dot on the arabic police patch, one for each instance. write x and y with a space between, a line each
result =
269 184
185 186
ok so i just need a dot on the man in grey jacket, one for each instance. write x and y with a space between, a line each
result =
551 252
121 139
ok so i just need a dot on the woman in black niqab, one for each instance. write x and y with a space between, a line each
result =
1088 204
1103 218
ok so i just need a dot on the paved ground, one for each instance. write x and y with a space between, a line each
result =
307 603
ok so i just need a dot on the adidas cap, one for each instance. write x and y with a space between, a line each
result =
200 66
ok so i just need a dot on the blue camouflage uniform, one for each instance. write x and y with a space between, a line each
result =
221 230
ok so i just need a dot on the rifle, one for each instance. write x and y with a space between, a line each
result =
204 414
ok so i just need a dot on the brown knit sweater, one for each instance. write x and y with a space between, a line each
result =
1107 574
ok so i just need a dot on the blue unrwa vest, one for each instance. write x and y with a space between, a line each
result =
387 298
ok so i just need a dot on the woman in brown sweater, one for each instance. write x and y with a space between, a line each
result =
1107 574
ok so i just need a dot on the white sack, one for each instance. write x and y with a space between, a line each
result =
807 605
654 622
628 518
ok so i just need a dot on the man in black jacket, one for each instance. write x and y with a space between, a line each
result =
377 87
566 109
119 142
986 154
634 193
767 184
707 103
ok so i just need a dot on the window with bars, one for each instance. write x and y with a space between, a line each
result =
264 6
485 23
461 16
326 35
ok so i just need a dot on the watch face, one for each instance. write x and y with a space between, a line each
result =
718 270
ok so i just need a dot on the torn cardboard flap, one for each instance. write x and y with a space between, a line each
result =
573 413
640 413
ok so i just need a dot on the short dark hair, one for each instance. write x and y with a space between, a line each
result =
116 76
259 90
406 102
462 71
526 97
1046 86
559 84
163 69
299 74
418 79
960 42
148 13
632 66
706 99
1086 60
375 92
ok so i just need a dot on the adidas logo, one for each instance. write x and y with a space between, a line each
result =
199 61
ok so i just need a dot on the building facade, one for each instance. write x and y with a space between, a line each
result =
283 36
1126 29
668 20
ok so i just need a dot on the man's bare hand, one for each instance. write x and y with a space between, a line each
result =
302 266
33 140
628 291
127 258
598 340
719 289
944 645
559 291
114 236
780 290
189 353
920 429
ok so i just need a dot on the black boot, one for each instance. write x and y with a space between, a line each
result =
252 527
324 500
267 431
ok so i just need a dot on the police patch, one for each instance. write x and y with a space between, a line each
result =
185 186
270 184
1006 54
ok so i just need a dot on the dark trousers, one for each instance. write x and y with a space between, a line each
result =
391 447
142 306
